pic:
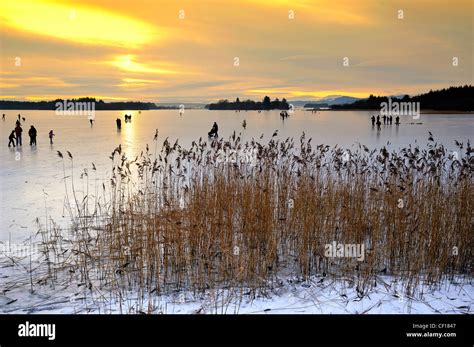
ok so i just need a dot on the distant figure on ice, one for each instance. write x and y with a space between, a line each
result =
397 120
373 120
18 131
51 134
378 124
119 124
390 120
384 120
214 130
19 117
92 122
32 134
378 118
3 117
11 138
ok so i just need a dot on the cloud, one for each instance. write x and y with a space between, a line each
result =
145 51
129 63
77 23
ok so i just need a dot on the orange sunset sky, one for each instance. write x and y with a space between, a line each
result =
185 51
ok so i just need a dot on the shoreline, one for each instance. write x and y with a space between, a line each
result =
447 112
422 111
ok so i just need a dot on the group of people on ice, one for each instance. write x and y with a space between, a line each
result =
387 120
118 121
15 137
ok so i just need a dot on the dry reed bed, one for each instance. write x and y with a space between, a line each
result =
189 219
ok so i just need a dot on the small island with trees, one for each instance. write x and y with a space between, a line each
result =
247 105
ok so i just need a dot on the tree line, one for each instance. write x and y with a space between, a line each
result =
265 104
100 105
446 99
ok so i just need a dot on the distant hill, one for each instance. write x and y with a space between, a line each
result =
265 104
450 99
332 100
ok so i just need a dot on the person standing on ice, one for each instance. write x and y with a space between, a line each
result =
32 133
214 130
18 131
11 138
119 123
51 134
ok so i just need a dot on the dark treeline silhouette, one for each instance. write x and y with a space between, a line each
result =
265 104
99 104
450 99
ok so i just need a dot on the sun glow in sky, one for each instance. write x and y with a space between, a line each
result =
185 51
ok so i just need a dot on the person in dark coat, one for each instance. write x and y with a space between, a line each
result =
214 130
32 133
18 131
11 138
119 123
373 120
50 135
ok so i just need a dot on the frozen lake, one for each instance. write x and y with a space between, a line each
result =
31 177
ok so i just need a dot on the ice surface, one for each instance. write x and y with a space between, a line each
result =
34 184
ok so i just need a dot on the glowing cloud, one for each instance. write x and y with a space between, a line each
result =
128 63
137 82
77 23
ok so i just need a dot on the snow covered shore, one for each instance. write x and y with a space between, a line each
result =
318 295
